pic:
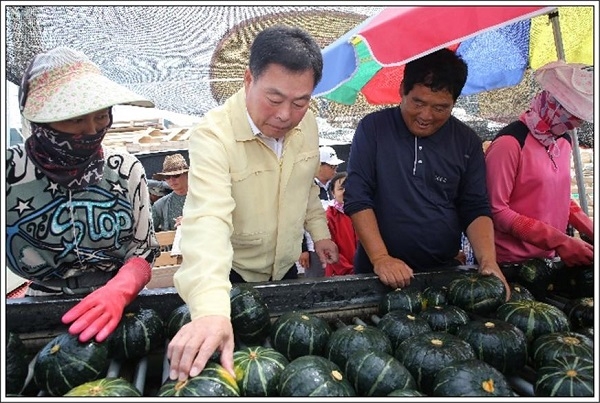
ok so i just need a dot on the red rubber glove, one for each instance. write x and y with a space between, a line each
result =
580 220
99 313
572 251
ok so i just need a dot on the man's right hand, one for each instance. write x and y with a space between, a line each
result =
192 346
392 272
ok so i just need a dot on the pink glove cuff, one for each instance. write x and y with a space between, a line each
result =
138 266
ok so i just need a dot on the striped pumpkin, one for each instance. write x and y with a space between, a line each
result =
114 387
552 345
477 293
214 380
250 316
257 370
376 373
313 375
176 319
350 339
399 325
409 299
471 378
444 318
568 376
519 292
534 318
427 353
139 333
295 334
498 343
65 362
434 295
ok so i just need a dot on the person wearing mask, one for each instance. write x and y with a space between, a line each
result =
251 193
416 180
529 171
341 228
168 210
78 218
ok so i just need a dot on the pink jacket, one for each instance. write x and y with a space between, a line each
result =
526 181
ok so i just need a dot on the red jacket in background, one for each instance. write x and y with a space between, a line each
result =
343 234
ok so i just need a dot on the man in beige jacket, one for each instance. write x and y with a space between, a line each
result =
251 193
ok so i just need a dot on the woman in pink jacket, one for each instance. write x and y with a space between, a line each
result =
528 169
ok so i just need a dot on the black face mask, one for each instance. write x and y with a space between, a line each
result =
74 162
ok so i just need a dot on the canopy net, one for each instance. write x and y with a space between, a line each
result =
189 59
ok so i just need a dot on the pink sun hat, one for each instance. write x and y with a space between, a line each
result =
63 83
571 84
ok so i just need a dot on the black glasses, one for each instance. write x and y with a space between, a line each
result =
173 176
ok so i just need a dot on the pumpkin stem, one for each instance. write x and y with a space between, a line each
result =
571 373
180 384
336 375
570 340
488 385
55 349
96 390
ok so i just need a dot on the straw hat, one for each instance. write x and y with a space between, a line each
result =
64 83
173 165
571 84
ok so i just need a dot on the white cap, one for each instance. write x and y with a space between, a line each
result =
329 156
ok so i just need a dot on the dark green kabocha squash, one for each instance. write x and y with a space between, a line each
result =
471 378
538 276
434 295
477 293
580 312
567 376
445 318
576 281
295 334
139 332
17 364
400 324
498 343
405 393
176 319
350 339
105 387
408 298
519 292
376 373
214 380
257 370
313 375
250 315
427 353
534 318
65 362
552 345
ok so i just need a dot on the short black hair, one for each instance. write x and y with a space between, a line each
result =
440 70
291 47
336 177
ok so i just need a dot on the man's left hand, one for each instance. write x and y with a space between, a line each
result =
492 269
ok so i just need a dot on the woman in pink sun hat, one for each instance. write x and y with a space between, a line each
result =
529 172
77 214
